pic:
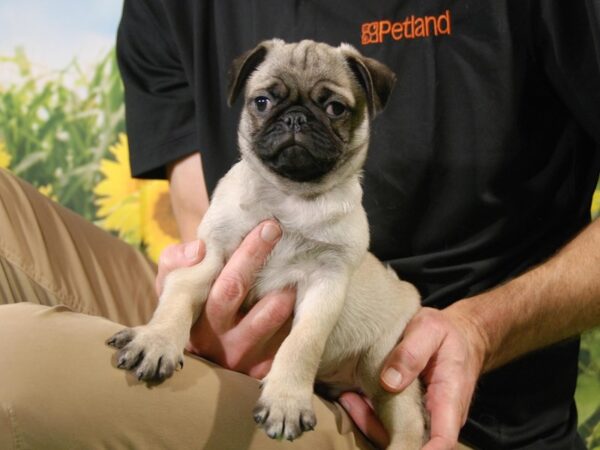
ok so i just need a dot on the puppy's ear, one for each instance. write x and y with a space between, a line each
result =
375 78
243 66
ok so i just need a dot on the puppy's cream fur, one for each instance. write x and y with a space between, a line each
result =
350 309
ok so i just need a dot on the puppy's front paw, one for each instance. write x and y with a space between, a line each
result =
284 413
151 354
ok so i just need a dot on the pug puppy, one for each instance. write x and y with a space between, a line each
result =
303 138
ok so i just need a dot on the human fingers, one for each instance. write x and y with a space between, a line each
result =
267 316
440 443
250 346
439 347
450 385
176 256
233 283
364 418
259 333
445 427
447 400
422 339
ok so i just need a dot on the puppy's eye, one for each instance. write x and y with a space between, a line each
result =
335 109
262 103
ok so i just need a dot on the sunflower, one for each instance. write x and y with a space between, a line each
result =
5 157
159 228
118 194
596 204
48 191
139 211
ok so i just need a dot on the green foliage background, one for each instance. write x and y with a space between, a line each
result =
58 127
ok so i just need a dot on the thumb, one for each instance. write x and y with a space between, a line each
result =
176 256
409 358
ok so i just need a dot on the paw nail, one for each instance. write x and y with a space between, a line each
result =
261 415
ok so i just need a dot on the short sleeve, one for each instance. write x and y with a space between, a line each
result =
568 41
159 104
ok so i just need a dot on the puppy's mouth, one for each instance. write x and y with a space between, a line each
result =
298 146
297 158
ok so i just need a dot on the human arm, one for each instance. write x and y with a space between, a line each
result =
552 302
452 347
189 202
188 193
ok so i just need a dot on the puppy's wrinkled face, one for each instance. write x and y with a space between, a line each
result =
306 111
303 120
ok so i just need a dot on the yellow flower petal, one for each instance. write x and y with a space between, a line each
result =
126 221
596 204
5 157
48 192
117 185
117 195
159 228
139 211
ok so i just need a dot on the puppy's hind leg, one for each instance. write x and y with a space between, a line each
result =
155 350
403 415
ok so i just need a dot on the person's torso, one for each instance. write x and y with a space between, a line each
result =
476 169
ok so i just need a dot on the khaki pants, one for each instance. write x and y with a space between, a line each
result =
59 388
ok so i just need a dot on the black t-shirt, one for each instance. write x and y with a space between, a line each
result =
482 165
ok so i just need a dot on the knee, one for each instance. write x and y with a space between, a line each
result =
21 318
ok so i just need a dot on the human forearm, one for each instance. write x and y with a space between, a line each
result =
189 198
450 348
554 301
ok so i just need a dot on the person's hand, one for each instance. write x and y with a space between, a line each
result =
222 334
175 256
447 351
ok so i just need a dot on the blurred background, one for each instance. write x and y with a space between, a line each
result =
61 117
62 129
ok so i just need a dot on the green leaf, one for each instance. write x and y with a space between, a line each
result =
28 162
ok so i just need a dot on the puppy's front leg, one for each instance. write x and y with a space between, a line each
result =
156 349
284 408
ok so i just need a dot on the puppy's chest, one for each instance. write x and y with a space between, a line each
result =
294 261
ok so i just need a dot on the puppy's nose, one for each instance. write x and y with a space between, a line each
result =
294 120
